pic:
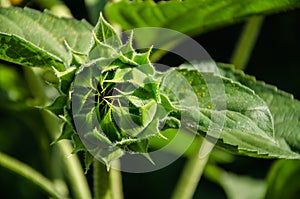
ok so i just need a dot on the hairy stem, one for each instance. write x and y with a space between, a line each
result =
191 174
29 173
72 165
246 42
101 181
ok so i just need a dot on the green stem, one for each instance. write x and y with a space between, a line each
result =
213 173
246 42
72 165
75 173
101 181
115 178
29 173
191 175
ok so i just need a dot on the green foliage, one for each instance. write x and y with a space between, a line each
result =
248 126
177 15
280 104
260 137
284 108
32 38
128 106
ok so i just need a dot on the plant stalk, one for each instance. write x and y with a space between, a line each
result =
246 42
115 178
72 165
191 174
29 173
107 184
101 181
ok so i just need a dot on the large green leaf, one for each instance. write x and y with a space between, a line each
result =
17 50
190 16
284 108
241 107
31 38
248 127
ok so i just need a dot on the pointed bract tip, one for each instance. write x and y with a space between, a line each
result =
147 156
